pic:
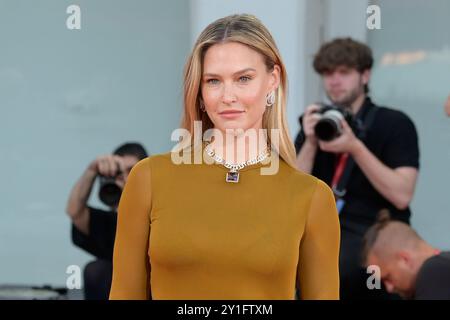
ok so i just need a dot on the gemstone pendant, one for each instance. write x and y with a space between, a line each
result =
232 177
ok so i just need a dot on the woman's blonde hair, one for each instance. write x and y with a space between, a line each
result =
248 30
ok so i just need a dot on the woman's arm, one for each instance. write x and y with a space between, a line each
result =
318 267
131 268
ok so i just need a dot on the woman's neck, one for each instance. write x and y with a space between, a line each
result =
239 148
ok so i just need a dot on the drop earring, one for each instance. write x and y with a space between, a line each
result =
270 99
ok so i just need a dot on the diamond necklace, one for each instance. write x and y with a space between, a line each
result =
233 174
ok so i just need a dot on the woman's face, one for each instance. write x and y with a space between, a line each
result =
235 84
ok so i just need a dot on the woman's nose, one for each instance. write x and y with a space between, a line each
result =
228 96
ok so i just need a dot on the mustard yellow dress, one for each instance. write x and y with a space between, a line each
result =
183 232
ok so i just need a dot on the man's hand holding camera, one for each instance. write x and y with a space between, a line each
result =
112 171
310 119
347 142
109 166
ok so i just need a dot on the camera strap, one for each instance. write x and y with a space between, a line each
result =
346 162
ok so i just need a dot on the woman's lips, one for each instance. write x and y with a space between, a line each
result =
230 114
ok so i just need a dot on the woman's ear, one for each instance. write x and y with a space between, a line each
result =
275 78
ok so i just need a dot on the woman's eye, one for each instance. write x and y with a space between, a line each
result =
212 81
244 79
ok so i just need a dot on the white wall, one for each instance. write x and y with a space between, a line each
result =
419 87
346 18
67 96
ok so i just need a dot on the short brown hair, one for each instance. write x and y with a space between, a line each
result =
343 51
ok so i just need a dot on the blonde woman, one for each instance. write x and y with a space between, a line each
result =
226 230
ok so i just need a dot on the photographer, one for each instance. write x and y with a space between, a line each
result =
93 230
368 154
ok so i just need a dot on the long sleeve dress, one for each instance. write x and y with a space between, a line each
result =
185 233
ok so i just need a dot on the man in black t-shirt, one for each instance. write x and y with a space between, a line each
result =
407 264
372 164
93 230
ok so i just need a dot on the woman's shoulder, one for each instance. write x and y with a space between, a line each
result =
161 158
303 181
296 175
155 161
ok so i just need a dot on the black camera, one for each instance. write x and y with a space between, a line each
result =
110 191
329 126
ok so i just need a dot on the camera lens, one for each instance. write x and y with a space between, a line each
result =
329 126
109 192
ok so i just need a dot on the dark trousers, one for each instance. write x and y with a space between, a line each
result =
97 280
353 277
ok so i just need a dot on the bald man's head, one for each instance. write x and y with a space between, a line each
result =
387 237
398 252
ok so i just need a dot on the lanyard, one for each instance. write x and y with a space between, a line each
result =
339 170
339 194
